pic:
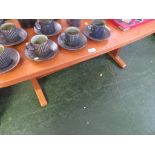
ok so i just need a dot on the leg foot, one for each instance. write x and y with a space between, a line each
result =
39 92
115 56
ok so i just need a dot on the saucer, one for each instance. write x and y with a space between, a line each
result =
52 52
22 37
15 60
87 33
61 42
58 29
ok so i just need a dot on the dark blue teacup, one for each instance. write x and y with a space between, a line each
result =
74 22
5 59
9 32
72 36
40 45
46 26
97 29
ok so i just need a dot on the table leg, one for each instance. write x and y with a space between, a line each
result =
39 92
115 56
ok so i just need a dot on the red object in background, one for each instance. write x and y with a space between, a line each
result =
126 24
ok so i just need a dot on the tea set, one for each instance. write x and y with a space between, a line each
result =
40 48
97 30
72 39
9 58
10 35
48 27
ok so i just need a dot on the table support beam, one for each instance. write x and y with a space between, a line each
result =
115 56
39 92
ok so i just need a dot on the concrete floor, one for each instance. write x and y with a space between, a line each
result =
94 97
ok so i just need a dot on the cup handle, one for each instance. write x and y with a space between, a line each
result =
37 25
63 37
30 47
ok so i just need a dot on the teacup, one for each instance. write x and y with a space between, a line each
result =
5 59
40 45
9 32
97 28
72 36
74 22
27 23
46 26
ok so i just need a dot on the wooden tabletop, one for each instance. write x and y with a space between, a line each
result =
28 69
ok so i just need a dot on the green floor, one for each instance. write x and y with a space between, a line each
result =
94 97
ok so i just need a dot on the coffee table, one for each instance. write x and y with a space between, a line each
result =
30 70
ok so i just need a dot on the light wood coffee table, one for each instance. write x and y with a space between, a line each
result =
30 70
